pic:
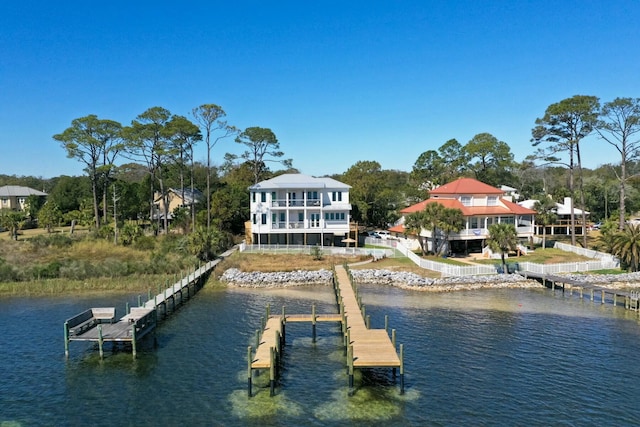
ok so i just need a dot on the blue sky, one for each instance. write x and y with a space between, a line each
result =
337 81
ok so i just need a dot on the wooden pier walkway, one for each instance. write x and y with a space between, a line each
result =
630 300
100 325
365 347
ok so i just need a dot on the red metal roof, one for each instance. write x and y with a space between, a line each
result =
465 186
506 208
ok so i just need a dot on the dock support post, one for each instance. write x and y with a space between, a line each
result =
66 339
615 299
257 338
100 341
126 308
350 362
148 294
313 322
386 323
133 340
284 323
368 321
139 300
401 368
249 352
591 294
272 372
602 300
268 310
393 338
364 311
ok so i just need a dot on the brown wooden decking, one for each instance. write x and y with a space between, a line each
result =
366 348
372 348
630 300
140 320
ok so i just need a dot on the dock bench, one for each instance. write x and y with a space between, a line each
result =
89 319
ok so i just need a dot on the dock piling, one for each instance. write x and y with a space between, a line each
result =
66 339
401 368
100 341
249 352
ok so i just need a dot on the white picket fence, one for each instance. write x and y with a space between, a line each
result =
602 260
308 250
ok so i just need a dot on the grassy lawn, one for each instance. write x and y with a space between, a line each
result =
398 264
540 256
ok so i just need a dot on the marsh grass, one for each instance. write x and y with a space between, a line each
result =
48 287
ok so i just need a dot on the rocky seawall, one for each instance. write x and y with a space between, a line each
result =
281 279
404 280
610 281
407 280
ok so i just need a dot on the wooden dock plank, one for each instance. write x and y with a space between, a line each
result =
270 336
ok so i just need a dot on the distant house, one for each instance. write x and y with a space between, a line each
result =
177 199
482 205
15 196
563 223
299 209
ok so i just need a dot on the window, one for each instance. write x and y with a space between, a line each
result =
326 216
342 216
254 219
273 218
264 218
312 195
273 196
300 216
336 196
473 222
465 200
253 197
282 219
332 216
492 201
263 196
490 221
507 220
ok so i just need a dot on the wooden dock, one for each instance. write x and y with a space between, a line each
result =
99 324
629 300
365 347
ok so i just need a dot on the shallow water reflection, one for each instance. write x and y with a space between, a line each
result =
504 357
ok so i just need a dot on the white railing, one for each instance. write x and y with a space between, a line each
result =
455 270
567 267
308 250
443 268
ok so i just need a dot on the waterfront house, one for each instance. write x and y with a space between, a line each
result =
562 225
176 198
481 205
300 210
15 196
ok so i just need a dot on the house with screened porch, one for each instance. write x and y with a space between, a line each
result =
482 205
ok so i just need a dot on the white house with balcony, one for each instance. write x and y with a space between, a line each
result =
482 205
298 209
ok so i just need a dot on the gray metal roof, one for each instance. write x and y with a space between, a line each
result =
298 180
19 191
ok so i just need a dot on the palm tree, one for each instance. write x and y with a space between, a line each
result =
545 215
452 221
503 238
626 246
433 213
413 224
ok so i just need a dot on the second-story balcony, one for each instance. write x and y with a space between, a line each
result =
283 203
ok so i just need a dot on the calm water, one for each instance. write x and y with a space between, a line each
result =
507 357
